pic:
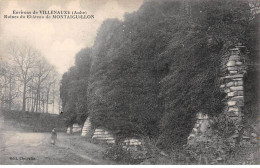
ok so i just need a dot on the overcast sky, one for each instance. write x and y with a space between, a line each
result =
60 40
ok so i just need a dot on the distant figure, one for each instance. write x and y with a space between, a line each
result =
53 136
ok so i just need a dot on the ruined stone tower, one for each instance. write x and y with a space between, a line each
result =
233 70
233 84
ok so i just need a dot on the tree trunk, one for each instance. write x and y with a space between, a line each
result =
4 94
31 100
47 100
36 101
1 93
24 96
43 106
59 106
10 93
1 98
39 101
53 98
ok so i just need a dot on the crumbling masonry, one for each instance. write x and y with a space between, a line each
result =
233 70
233 85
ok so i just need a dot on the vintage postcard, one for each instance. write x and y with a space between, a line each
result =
119 82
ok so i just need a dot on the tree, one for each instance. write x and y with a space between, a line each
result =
41 73
30 72
74 89
24 59
68 95
8 85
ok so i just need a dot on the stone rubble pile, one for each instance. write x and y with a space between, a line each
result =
69 130
86 128
201 125
103 135
76 128
132 143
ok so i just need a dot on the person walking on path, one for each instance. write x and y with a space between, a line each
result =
53 136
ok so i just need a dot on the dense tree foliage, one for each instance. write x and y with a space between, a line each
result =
150 74
73 90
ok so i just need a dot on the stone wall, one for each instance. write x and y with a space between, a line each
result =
233 84
233 71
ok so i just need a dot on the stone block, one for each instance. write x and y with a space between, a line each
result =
233 68
239 63
238 98
191 136
227 90
222 86
237 79
246 137
229 84
99 130
238 83
234 76
195 130
231 63
232 103
236 103
234 109
232 94
234 49
234 58
233 72
236 88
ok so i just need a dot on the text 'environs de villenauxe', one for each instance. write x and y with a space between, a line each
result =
49 14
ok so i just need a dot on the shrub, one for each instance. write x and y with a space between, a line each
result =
118 154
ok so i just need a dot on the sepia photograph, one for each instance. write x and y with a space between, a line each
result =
129 82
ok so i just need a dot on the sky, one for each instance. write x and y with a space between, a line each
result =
60 40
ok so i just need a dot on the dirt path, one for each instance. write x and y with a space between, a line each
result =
34 148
